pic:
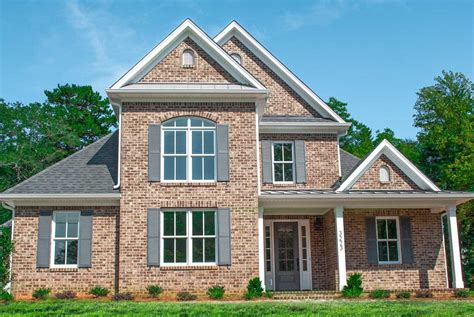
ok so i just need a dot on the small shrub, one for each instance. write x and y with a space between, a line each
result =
41 293
463 293
423 294
154 290
99 291
254 288
403 295
354 286
5 296
65 295
379 293
268 294
122 296
216 292
185 296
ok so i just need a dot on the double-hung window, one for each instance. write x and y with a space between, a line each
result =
65 238
283 162
189 237
388 241
189 150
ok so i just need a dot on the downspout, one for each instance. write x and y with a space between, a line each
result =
8 287
258 113
117 186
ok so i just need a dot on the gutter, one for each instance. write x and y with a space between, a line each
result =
8 287
117 186
59 196
349 196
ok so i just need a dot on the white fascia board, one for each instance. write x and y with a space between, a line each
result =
235 29
398 159
304 127
62 199
185 29
7 196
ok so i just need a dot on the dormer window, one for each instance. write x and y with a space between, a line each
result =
188 58
384 174
236 57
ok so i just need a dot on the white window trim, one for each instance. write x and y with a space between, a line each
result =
193 56
53 238
189 236
389 173
396 218
284 162
189 172
237 57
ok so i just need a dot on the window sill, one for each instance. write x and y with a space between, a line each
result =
189 268
63 269
191 184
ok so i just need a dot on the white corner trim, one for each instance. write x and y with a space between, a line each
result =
235 29
398 159
185 29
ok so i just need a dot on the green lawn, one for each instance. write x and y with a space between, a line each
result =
254 309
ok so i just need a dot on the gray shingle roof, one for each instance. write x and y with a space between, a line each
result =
92 170
348 163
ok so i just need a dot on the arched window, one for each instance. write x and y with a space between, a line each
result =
188 58
384 174
189 150
237 57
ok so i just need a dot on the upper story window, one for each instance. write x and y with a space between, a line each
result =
388 241
237 57
384 174
188 59
282 162
65 229
189 150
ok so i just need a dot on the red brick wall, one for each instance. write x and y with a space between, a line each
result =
398 179
240 195
27 277
170 69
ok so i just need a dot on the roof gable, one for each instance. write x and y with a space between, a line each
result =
386 149
185 30
237 31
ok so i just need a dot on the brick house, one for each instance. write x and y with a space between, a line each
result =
225 167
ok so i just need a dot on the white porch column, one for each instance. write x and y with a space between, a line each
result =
261 247
455 250
341 248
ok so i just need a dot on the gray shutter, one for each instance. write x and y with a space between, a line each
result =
222 142
224 243
43 247
405 233
85 239
371 237
300 161
267 161
153 236
154 148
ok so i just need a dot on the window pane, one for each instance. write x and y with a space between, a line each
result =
197 142
60 229
210 250
198 249
278 172
383 252
180 142
197 223
60 252
72 229
208 142
393 250
209 223
288 172
196 122
381 229
73 217
197 168
392 228
168 224
168 250
277 152
287 154
180 223
71 252
169 168
181 122
209 168
180 250
169 123
207 123
169 142
181 168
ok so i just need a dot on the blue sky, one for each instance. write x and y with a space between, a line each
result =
373 54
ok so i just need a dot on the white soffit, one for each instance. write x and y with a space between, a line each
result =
407 167
184 30
235 29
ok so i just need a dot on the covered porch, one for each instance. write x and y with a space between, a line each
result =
312 240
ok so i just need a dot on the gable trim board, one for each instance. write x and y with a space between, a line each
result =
398 159
235 29
184 30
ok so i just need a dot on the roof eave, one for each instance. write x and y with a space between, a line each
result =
304 127
103 199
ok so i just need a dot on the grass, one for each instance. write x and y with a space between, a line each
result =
254 309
